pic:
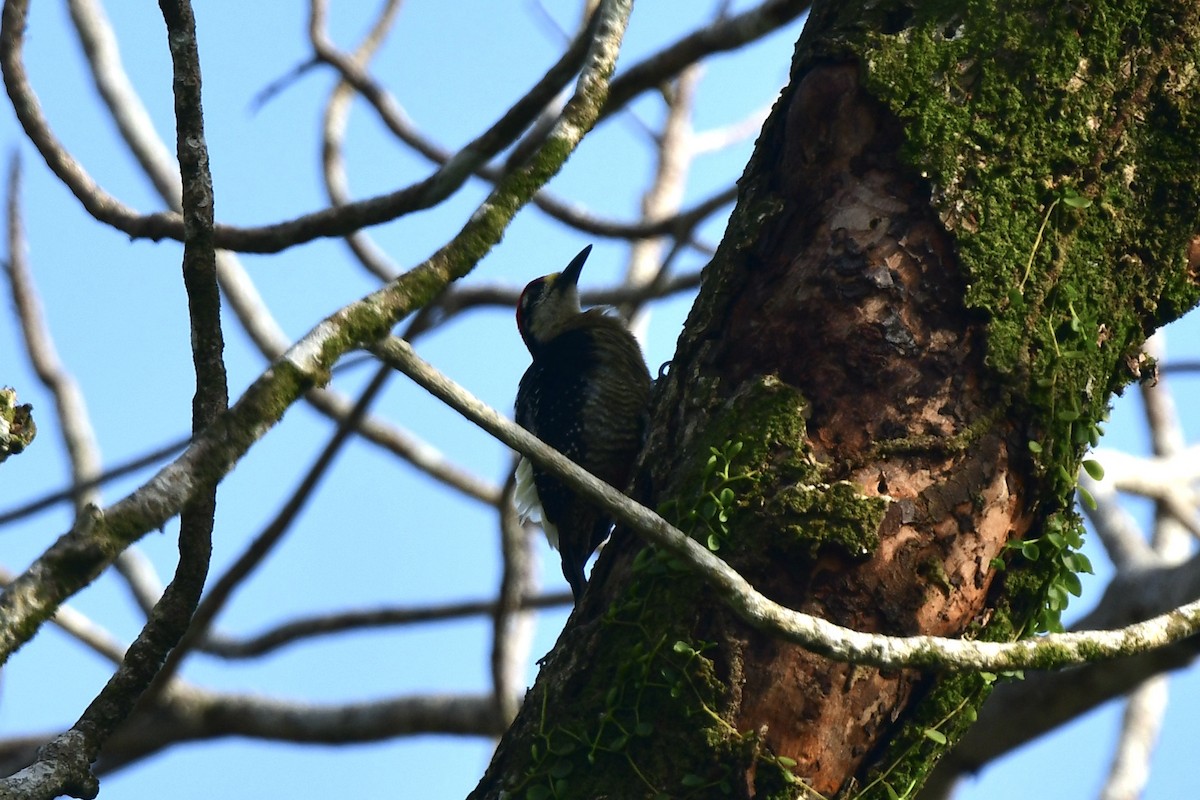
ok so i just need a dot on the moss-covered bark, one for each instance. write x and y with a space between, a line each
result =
959 224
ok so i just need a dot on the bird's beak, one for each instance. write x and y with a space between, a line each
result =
570 275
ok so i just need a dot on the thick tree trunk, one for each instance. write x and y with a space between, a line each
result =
955 232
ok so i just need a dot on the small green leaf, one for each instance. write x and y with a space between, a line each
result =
784 761
1086 498
539 792
692 780
727 497
684 648
644 728
1071 584
891 793
1030 550
1077 201
561 787
1075 537
734 449
935 735
562 768
619 743
1068 415
714 542
1094 468
998 563
1034 447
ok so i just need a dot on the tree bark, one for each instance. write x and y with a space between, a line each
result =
958 226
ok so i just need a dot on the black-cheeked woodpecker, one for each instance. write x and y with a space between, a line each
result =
586 395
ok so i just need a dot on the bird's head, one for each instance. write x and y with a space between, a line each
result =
549 302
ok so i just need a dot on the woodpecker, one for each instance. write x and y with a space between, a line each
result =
586 395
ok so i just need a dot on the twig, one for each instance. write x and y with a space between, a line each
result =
303 629
512 627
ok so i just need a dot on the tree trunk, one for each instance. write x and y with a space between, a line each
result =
958 226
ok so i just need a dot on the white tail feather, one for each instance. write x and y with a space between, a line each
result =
529 506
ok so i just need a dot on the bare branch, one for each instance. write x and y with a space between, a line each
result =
1146 706
189 713
338 221
512 626
724 34
1140 725
77 432
82 450
333 128
327 624
79 626
123 103
64 765
1019 712
265 542
673 159
79 556
1118 531
816 634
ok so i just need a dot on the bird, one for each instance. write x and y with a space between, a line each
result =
586 394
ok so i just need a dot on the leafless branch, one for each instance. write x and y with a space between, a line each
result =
1171 544
512 625
814 633
81 628
664 196
81 554
327 624
265 542
83 453
99 43
337 221
64 765
333 128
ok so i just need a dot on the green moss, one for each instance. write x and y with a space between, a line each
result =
17 429
659 696
777 489
1045 155
938 721
821 514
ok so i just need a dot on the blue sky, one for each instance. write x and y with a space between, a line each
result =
376 533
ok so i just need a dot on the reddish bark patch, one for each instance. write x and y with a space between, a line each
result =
854 297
